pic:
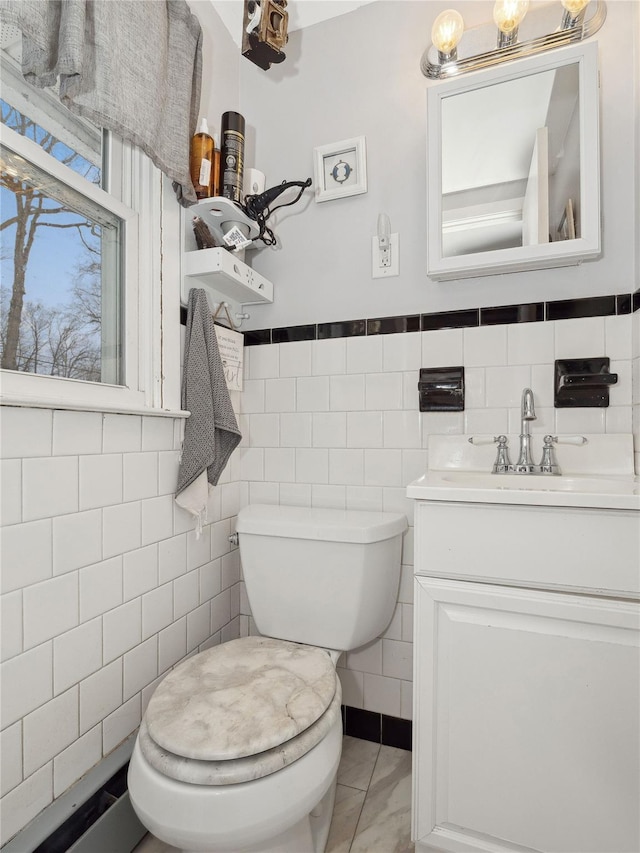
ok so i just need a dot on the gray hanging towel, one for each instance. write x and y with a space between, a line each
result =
211 432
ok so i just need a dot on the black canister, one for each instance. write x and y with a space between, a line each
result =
231 155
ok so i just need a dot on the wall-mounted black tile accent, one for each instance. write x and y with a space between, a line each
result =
393 325
531 312
363 724
183 316
258 337
624 303
288 334
636 300
441 389
396 732
593 306
582 382
342 329
450 320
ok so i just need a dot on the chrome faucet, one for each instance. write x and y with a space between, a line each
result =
525 464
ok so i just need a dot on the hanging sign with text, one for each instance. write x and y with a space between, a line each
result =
231 344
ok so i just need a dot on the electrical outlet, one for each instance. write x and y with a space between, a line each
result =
385 264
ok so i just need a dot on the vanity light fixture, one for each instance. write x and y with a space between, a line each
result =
507 16
446 33
573 12
455 51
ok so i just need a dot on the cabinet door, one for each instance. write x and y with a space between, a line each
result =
527 720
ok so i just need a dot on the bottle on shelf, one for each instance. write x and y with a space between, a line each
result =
214 184
232 156
202 161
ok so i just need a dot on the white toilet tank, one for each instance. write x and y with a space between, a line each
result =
324 577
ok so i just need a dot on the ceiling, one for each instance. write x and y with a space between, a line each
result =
302 13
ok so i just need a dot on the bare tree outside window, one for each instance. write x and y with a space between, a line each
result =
52 299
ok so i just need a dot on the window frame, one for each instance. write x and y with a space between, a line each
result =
135 196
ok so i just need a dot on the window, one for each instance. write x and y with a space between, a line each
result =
79 297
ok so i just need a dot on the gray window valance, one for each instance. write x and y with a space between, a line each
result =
131 66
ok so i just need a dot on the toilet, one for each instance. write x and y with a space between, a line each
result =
239 748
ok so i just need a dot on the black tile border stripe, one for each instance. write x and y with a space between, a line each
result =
569 309
378 728
528 312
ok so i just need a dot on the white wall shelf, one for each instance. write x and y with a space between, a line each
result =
224 277
222 273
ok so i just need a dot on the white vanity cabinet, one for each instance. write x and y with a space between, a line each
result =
527 675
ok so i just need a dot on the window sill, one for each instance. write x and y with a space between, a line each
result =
43 403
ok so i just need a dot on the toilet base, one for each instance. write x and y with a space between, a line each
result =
288 811
309 835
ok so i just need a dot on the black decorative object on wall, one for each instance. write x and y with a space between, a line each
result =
582 382
441 389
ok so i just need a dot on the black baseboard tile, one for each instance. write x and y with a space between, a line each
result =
397 732
378 728
636 301
362 724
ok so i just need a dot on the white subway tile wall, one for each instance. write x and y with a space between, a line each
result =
104 585
353 436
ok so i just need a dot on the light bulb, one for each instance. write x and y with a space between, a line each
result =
447 31
508 14
574 7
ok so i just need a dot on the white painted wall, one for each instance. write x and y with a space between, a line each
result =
359 75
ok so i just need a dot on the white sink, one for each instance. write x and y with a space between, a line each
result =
598 475
542 482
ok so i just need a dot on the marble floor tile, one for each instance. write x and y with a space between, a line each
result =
385 821
151 844
357 762
346 813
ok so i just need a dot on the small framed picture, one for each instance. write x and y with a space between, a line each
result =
340 169
567 227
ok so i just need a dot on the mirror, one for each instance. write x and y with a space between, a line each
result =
513 167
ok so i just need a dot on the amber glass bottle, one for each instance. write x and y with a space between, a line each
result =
202 161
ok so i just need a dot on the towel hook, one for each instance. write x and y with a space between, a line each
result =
225 306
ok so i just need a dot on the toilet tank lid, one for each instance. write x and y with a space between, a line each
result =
332 525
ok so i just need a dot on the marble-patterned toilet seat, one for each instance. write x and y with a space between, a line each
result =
246 769
240 711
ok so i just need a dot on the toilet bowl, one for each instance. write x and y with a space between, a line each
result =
239 747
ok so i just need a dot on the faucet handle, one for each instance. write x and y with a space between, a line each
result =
567 439
478 440
548 463
502 464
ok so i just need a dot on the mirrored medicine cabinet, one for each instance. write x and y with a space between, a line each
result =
513 166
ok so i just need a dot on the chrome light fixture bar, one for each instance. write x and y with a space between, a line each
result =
520 32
